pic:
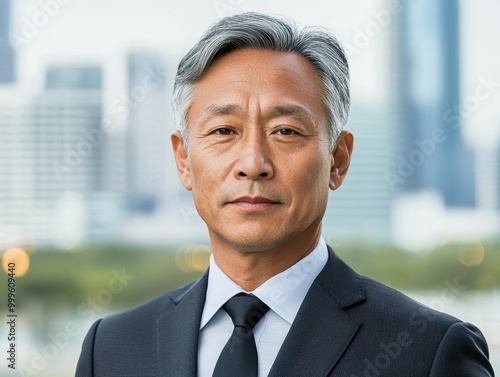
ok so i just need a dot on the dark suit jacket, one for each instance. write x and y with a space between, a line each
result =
347 326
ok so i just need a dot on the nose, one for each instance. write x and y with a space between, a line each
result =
253 160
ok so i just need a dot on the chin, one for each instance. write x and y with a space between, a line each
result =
256 241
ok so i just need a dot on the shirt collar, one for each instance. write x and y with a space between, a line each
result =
283 293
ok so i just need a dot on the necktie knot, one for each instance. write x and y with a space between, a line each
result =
245 310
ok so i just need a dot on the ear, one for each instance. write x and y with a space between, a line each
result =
181 160
341 158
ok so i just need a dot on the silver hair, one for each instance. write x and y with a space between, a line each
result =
259 31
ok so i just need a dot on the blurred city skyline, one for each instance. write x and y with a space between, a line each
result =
85 120
86 162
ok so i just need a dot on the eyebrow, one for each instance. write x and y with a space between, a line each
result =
296 111
220 110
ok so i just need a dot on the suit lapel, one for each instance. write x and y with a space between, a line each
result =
177 331
322 330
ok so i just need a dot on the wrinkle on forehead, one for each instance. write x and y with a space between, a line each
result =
265 82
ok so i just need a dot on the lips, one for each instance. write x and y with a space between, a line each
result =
253 203
253 200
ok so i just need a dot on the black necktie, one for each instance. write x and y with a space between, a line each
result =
239 356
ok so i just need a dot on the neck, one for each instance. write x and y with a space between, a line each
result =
251 269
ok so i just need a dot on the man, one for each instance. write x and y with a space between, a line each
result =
261 109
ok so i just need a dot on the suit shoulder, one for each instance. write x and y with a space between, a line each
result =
127 342
144 314
394 304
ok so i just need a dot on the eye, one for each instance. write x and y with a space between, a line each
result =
223 131
285 131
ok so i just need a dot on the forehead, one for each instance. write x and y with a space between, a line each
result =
259 77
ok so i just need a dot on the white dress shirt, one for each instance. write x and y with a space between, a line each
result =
283 293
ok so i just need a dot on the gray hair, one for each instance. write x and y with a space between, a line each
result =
262 32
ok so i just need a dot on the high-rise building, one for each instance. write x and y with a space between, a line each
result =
361 208
433 154
71 107
50 156
148 109
7 55
488 179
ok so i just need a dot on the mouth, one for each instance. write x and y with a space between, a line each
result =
254 203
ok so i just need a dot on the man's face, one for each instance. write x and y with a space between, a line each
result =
259 162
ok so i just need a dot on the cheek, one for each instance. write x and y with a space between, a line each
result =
317 172
319 187
201 173
199 181
206 180
314 178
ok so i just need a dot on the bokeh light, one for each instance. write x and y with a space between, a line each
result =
193 258
471 255
19 257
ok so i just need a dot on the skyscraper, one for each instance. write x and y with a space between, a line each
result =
433 153
148 110
488 179
361 208
50 152
7 56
